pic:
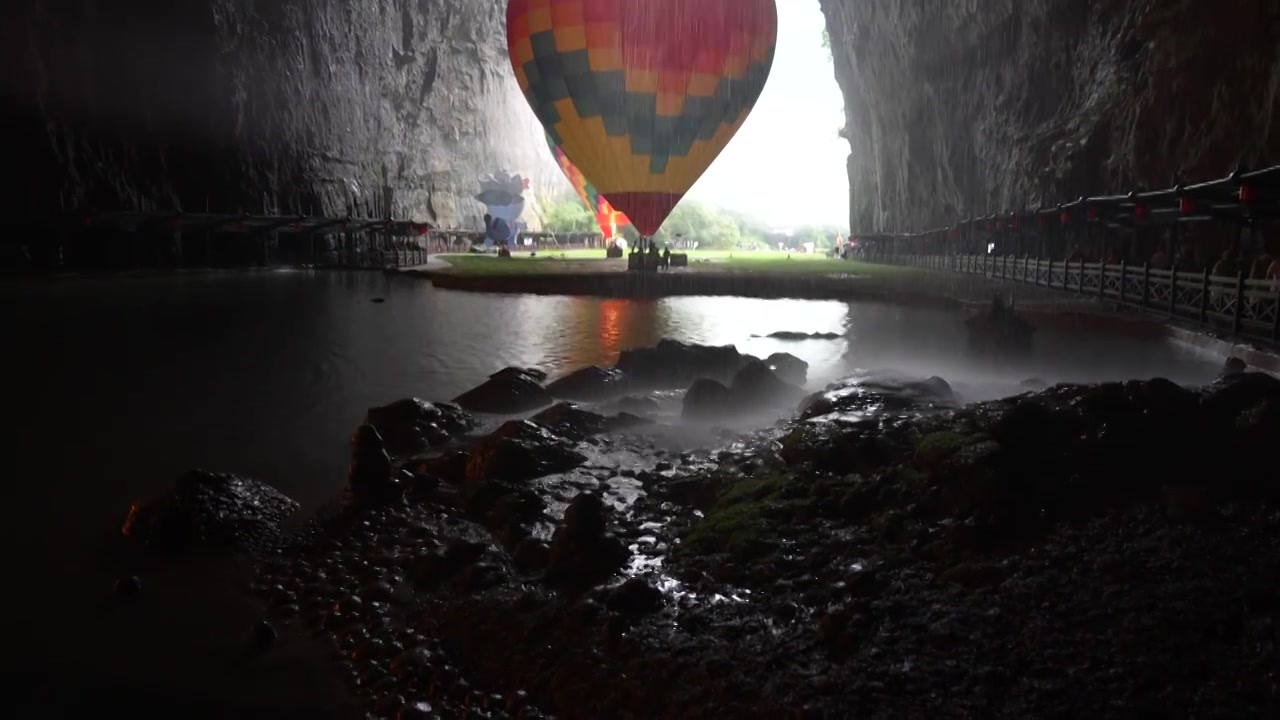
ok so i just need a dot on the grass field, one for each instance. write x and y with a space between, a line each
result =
571 261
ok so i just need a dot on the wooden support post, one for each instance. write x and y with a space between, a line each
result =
1204 298
1275 319
1238 320
1146 282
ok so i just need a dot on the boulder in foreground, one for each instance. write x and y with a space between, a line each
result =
411 425
210 509
521 450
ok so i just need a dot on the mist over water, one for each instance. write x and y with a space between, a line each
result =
922 342
121 386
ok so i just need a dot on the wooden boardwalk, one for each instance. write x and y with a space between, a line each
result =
1205 255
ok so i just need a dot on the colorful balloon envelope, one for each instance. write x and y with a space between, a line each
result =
606 216
642 95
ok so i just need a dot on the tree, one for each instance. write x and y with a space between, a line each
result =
567 214
711 227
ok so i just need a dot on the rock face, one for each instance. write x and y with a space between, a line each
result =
957 109
398 106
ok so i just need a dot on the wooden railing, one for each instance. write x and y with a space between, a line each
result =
1245 307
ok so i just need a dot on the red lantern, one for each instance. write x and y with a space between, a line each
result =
1093 213
422 229
1186 205
1247 194
86 221
1016 224
1065 217
1140 212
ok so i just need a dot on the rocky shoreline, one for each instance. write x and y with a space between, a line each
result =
884 551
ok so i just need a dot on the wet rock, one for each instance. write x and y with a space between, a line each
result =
875 392
420 710
582 552
434 568
369 477
694 492
534 374
634 597
521 450
1226 398
639 405
791 335
674 364
590 384
1033 384
707 399
1253 446
757 386
210 509
450 467
507 392
412 425
626 421
532 555
789 368
128 588
571 422
1233 366
264 635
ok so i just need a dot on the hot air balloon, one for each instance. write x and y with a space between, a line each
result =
606 216
642 95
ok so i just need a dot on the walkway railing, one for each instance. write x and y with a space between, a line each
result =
1249 308
1019 248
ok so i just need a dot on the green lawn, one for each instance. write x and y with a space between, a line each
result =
568 261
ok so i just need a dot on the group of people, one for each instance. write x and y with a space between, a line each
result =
651 258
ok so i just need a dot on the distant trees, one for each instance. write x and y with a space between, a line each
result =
712 227
567 214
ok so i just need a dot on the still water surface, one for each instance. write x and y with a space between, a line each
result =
118 386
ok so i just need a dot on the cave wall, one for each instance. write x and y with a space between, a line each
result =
316 106
965 107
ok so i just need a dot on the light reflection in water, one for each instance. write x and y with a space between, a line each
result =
267 373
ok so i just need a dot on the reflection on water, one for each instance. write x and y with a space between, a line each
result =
125 384
120 385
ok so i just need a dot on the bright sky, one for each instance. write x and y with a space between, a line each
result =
786 165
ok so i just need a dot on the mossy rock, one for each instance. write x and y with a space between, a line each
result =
933 449
740 521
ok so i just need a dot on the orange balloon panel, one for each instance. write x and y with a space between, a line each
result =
642 95
606 216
